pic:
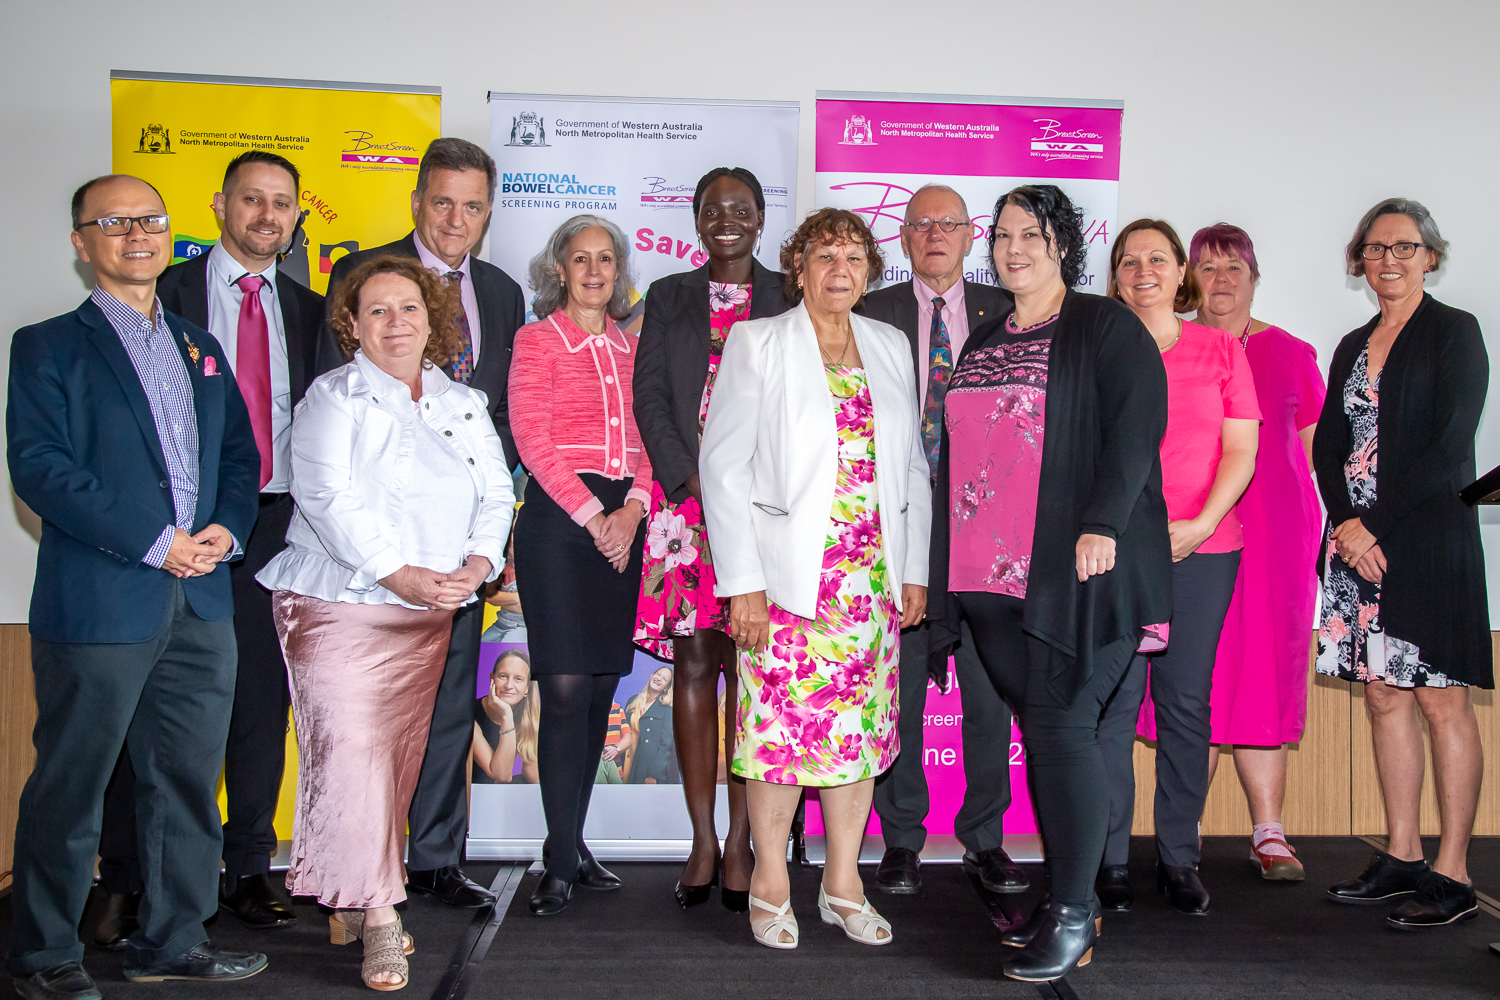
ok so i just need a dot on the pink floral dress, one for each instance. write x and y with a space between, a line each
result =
677 580
818 704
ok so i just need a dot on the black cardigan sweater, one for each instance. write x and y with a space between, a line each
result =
1105 414
671 367
1432 392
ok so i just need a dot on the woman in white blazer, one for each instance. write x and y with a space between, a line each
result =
403 507
817 498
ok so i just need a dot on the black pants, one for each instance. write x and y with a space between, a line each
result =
1181 680
901 799
1064 760
570 738
171 696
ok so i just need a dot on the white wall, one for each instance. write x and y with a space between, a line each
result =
1287 117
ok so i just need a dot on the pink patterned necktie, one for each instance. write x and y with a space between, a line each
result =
252 369
463 361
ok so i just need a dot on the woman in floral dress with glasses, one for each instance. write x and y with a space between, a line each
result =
688 320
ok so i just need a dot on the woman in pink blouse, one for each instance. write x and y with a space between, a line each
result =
579 535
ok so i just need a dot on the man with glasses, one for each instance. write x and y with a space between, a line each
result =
129 438
936 310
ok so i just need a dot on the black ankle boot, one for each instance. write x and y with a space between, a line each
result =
1021 934
1113 887
1064 941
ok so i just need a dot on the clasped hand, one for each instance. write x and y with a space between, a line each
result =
614 533
1356 545
197 555
427 588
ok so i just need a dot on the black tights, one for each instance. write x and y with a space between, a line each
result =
570 738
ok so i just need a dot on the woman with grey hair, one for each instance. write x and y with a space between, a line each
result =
1404 606
579 535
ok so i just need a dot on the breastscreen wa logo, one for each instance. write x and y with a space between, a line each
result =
363 150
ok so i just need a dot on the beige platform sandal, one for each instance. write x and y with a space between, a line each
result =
864 925
768 930
346 926
383 956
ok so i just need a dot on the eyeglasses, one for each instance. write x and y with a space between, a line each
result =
1401 251
120 225
946 225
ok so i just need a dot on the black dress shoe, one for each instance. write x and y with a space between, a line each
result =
1383 880
900 872
593 875
1064 941
692 895
551 896
450 885
1113 887
61 982
204 963
1021 934
119 920
1183 889
1438 902
254 901
996 871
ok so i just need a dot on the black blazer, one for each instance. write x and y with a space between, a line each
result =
310 347
1432 392
502 311
671 367
897 305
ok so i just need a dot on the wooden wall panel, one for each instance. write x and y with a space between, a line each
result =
17 717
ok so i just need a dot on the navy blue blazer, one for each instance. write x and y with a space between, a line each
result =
85 456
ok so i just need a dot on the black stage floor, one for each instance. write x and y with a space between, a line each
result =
1262 940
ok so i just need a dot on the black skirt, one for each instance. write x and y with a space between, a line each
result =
580 614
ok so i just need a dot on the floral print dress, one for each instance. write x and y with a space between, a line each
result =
677 580
818 704
1351 644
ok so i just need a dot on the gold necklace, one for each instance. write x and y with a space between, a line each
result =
1175 339
842 354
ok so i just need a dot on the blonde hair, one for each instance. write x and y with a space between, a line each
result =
527 724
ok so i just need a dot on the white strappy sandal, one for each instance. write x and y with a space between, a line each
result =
768 930
863 926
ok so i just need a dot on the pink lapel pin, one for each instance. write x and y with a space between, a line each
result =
210 366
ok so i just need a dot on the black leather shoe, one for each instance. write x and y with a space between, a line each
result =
996 871
691 895
1064 941
593 875
204 963
254 901
119 920
450 885
61 982
1385 879
551 896
1113 887
1438 902
1183 889
900 872
1021 934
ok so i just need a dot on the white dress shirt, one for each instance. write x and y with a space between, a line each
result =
466 294
224 298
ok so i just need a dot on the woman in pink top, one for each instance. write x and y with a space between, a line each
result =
579 535
1207 458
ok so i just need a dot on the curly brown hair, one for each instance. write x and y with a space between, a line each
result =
829 227
443 306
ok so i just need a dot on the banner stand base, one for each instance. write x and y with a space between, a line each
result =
1025 848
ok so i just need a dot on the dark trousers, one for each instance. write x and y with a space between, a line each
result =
438 821
570 738
1181 680
171 698
1064 760
901 799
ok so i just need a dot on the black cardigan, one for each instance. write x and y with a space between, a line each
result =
671 367
1105 414
1432 392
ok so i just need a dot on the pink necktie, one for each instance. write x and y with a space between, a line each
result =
252 368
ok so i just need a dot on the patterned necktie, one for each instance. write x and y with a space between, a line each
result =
252 368
939 371
463 361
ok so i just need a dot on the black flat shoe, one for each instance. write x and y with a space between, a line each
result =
119 920
694 895
254 901
1064 941
203 963
450 885
551 896
900 872
1383 880
1183 889
593 875
67 981
1113 887
996 871
1021 934
1438 902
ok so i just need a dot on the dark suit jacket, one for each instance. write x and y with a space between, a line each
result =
85 456
310 347
897 305
672 367
502 311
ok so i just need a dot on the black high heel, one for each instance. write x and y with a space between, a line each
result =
1064 941
735 900
693 895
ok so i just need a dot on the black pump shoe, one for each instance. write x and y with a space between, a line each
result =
1064 941
1183 888
593 875
1113 887
735 900
1385 878
694 895
1021 934
551 896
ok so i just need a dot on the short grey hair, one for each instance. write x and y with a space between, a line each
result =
1413 210
551 293
939 187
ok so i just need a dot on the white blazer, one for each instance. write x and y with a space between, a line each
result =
769 460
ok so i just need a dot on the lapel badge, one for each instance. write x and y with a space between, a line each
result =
193 351
210 366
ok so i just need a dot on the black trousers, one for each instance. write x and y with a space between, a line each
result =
171 698
1181 680
901 799
1064 759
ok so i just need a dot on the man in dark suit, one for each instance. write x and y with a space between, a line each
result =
129 438
936 310
451 210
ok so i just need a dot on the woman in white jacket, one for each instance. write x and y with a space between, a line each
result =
403 506
817 498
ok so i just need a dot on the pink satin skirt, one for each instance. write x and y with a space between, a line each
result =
363 680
